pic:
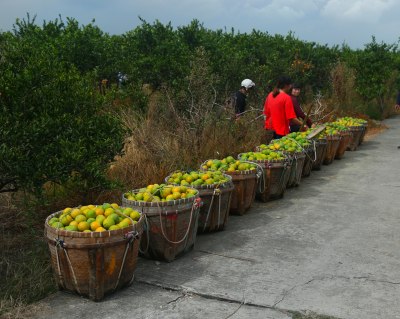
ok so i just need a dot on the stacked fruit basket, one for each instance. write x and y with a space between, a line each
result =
171 213
275 171
357 127
245 177
94 249
215 190
294 147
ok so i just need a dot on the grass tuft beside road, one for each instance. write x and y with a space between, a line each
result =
25 266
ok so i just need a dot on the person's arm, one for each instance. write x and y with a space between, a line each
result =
267 114
267 109
296 121
299 111
290 112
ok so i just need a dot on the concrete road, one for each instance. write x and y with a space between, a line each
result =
330 249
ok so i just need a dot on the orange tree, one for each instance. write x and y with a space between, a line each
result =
154 55
53 123
377 69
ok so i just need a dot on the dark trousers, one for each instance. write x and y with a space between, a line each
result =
294 128
277 136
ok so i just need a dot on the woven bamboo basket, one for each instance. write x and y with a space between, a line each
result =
333 142
216 201
365 129
321 147
244 192
357 132
346 137
216 205
297 163
93 264
273 179
311 157
170 227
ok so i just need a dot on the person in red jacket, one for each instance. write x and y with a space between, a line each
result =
278 109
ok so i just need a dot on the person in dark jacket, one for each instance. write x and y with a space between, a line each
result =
397 107
297 108
241 96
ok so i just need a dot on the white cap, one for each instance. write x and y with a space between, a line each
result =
247 83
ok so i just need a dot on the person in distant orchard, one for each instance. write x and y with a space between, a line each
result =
297 108
278 109
241 96
397 106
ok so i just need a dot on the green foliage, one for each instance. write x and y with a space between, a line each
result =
53 125
156 55
375 71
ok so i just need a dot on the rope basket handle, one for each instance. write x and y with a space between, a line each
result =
217 192
315 151
196 204
130 237
260 177
60 244
285 168
147 227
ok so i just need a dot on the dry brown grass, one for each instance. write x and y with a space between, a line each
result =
343 82
158 146
374 129
21 310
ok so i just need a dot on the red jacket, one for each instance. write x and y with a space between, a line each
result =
279 111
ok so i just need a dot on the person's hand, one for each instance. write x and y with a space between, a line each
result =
397 107
303 128
313 125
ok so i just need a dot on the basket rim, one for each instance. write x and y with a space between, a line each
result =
138 226
333 137
236 172
298 154
356 127
265 160
140 203
211 186
286 152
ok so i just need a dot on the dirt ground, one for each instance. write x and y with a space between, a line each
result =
374 129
